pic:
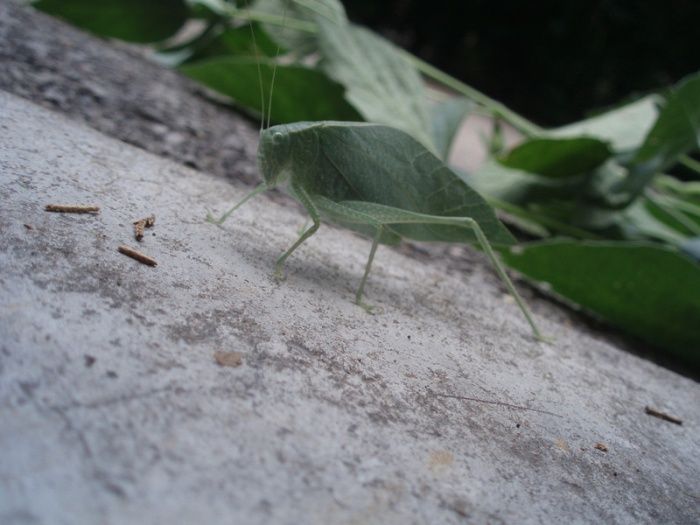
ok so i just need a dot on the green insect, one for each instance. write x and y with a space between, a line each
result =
380 182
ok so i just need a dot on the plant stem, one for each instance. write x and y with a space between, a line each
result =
496 108
690 163
666 204
542 219
272 19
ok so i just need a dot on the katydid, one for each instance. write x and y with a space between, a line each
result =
378 181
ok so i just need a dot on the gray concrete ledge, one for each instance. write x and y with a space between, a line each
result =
111 87
440 409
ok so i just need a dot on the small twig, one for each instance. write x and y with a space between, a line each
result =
498 403
138 229
141 224
601 446
71 208
662 415
134 254
232 359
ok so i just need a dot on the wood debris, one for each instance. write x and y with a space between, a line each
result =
142 224
662 415
137 255
232 359
601 447
72 208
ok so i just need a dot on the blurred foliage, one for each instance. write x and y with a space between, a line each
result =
551 60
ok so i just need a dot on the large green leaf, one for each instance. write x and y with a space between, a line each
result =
446 118
676 132
520 187
299 93
557 158
381 83
248 40
294 15
648 290
218 40
132 20
643 218
624 128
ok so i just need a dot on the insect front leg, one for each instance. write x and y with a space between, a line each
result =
259 189
308 204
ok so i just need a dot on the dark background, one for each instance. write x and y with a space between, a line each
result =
553 61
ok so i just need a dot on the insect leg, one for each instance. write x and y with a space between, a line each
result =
387 215
258 189
315 217
368 266
486 245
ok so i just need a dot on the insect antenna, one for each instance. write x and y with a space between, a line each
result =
256 50
274 69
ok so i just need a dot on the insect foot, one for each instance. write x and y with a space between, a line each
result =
213 220
280 275
544 338
370 309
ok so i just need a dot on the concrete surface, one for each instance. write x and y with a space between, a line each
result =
111 87
440 409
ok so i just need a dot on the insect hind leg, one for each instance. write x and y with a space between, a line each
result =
486 246
368 267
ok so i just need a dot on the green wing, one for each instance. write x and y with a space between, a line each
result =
386 166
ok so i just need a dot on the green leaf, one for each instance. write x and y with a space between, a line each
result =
676 132
624 128
299 93
248 40
692 248
131 20
649 291
520 187
217 40
557 158
382 85
644 218
446 119
293 12
209 8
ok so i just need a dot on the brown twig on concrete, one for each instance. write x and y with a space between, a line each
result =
600 446
134 254
141 224
662 415
232 359
72 208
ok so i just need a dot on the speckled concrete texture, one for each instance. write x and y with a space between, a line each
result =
111 87
438 409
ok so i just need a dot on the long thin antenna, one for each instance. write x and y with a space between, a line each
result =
260 79
274 70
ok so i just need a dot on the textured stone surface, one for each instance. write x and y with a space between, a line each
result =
110 87
439 409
